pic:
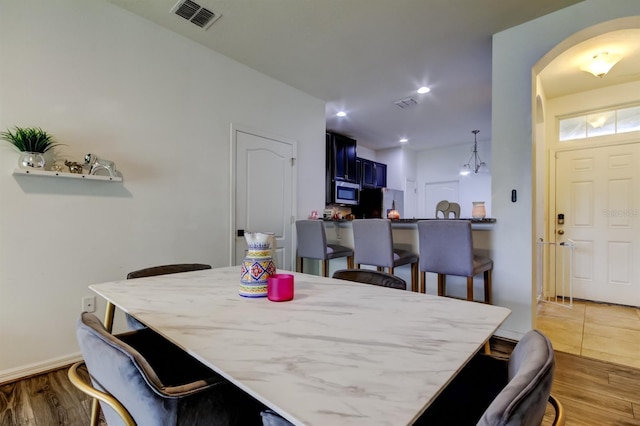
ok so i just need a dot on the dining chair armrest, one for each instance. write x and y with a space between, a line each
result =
559 409
77 380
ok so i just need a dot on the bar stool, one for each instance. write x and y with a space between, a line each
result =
373 245
446 248
312 244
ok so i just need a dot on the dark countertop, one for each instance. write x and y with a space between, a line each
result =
485 220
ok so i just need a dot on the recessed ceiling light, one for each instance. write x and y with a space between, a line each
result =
341 114
403 140
423 90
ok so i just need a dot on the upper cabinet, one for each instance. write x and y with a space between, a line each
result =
341 158
373 174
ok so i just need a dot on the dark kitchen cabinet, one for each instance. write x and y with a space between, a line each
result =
373 174
381 175
342 163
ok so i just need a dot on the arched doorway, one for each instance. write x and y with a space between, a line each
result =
563 90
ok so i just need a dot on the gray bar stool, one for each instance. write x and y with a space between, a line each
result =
373 245
446 248
312 244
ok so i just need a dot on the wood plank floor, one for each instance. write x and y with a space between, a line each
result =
593 393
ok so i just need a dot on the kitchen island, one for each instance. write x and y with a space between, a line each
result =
405 236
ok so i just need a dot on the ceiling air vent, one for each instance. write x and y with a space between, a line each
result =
406 103
194 13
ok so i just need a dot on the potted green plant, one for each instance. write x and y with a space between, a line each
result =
32 142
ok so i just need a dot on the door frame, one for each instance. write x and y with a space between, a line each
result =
234 129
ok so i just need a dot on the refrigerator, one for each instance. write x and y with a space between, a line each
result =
376 203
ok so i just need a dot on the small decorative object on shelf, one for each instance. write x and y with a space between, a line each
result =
32 142
478 211
258 265
97 164
74 167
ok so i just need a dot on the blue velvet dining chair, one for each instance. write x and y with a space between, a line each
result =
492 391
368 276
142 378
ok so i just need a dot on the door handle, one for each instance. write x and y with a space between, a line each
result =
560 231
240 233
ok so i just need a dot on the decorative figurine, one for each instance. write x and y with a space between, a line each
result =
73 167
96 164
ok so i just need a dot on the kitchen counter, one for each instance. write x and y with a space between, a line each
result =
476 224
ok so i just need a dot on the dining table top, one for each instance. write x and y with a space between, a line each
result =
339 353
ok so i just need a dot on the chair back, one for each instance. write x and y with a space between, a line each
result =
371 277
121 371
312 239
524 400
167 269
373 242
446 247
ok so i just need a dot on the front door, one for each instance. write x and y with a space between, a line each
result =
264 191
597 194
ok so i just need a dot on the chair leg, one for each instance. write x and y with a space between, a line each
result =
488 299
414 277
423 282
381 269
470 289
442 285
108 316
325 267
95 412
349 262
298 264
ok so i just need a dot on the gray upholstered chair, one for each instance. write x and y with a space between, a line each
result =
270 418
152 271
446 248
155 382
312 244
498 392
448 208
373 245
367 276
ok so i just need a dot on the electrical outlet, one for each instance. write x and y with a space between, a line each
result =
89 304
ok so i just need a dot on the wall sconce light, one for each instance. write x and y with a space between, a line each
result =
477 162
601 63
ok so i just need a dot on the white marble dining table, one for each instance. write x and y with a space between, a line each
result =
339 353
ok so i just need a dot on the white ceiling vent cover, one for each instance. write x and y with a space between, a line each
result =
406 103
195 13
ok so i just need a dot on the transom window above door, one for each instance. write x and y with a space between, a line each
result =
608 122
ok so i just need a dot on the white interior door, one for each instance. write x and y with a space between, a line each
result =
264 191
597 192
410 199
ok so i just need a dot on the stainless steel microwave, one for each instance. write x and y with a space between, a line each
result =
346 193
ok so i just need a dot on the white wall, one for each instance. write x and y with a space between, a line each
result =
443 164
515 51
105 81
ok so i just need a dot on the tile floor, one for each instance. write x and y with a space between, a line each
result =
594 330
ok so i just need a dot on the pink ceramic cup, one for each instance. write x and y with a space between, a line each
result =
280 287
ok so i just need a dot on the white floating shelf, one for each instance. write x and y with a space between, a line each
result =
50 173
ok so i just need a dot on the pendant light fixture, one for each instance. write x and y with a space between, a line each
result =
475 163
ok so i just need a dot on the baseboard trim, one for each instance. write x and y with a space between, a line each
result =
29 370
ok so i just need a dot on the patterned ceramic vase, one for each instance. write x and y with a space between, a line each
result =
257 266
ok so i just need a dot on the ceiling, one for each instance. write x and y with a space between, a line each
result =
361 56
